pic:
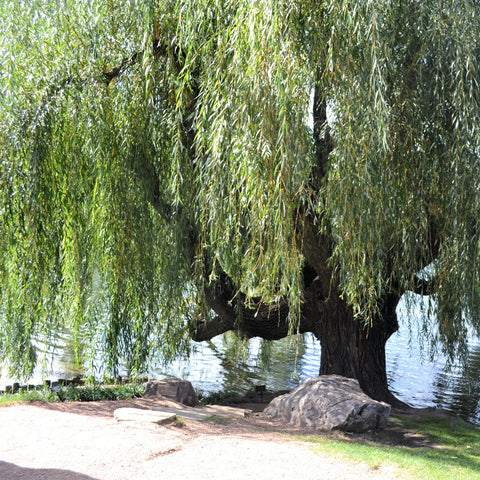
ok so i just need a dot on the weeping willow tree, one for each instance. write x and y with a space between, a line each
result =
177 169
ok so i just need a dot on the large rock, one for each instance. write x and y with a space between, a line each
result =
330 402
180 390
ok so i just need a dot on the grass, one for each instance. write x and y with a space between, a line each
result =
217 419
179 422
7 399
453 451
75 393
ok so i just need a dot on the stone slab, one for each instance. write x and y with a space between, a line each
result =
161 415
201 413
143 416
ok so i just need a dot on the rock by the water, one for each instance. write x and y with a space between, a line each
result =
181 390
330 402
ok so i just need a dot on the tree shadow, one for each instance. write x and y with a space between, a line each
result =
104 408
12 471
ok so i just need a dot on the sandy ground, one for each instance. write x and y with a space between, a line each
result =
83 441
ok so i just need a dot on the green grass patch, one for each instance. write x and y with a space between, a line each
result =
217 419
7 399
448 452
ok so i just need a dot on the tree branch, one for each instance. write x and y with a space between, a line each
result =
422 286
268 321
159 50
321 134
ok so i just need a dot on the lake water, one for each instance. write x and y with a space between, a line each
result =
227 364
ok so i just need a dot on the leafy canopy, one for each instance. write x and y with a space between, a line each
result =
145 144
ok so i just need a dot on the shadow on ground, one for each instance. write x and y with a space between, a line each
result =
393 435
12 471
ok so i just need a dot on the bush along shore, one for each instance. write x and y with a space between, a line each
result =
119 388
74 389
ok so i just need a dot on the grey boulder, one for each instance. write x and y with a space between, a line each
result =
330 402
180 390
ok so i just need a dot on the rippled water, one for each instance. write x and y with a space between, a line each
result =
227 364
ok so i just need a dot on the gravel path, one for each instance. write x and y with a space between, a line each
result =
83 441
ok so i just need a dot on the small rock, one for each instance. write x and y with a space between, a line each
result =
330 402
76 380
180 390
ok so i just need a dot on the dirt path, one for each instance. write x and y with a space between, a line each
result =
83 441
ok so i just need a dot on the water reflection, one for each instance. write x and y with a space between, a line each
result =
230 364
56 358
422 382
458 388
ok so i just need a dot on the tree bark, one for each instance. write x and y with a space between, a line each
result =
355 350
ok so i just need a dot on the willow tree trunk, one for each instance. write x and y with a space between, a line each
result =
348 346
351 349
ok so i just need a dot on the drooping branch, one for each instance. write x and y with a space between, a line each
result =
146 173
160 49
422 286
